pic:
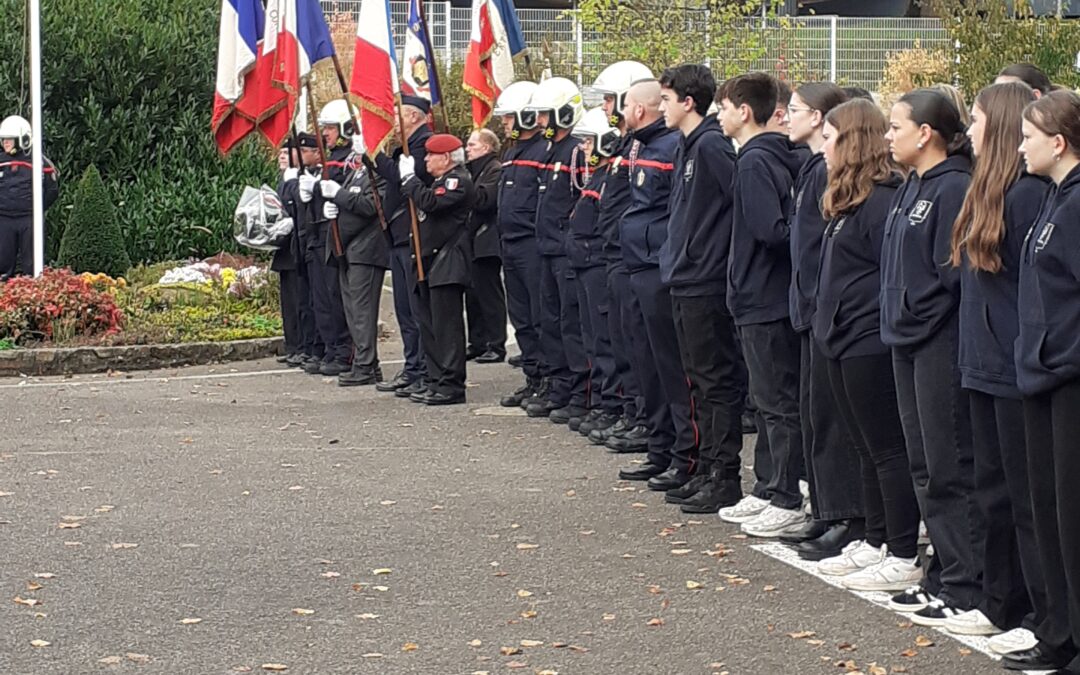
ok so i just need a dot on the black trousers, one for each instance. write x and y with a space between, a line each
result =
706 335
361 291
312 343
521 273
560 333
622 308
1052 423
671 400
829 454
16 246
485 306
937 428
329 311
771 351
441 315
289 283
594 306
864 391
402 271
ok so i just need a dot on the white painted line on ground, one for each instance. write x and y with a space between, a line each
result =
788 555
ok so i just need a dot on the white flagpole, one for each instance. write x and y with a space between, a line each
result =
35 125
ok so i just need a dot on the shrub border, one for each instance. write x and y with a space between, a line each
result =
82 360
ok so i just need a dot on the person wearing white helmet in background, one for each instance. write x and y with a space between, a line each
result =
16 196
558 106
598 142
628 433
518 192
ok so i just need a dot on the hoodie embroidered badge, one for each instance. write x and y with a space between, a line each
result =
1044 237
920 211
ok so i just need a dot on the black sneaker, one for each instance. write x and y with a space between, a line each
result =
601 421
677 495
564 414
911 600
514 361
935 614
514 400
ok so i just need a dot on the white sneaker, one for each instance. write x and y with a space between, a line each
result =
774 521
1015 640
972 622
891 574
748 508
857 555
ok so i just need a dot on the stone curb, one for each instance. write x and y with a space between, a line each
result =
79 360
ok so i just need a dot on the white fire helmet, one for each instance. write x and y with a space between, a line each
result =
596 125
18 129
513 101
562 98
337 114
616 80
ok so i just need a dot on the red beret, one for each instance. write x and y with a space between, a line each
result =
440 143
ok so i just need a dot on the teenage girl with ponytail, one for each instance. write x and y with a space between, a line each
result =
998 211
920 296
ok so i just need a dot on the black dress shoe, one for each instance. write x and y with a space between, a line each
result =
313 366
541 408
839 534
357 378
634 440
564 414
514 361
749 424
1036 658
641 472
415 387
672 478
811 530
600 436
680 494
334 368
490 356
400 380
295 360
284 358
522 394
602 420
439 398
716 494
472 352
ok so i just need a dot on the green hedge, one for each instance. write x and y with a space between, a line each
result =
128 86
92 241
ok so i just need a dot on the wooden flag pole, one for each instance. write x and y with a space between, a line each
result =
334 231
356 125
412 205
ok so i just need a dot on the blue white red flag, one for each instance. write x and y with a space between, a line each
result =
418 62
375 73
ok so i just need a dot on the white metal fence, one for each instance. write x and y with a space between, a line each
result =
848 50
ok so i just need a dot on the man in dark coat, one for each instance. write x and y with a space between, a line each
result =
485 301
297 319
444 210
357 205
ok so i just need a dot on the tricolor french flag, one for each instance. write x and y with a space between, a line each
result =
238 48
494 40
375 73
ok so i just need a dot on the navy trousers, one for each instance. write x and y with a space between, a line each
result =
560 332
622 308
329 310
401 273
595 306
521 274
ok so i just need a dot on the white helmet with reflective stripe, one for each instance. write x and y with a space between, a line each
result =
596 125
616 79
337 114
513 101
18 129
562 98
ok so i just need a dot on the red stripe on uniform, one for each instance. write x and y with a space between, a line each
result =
529 163
663 166
590 193
45 169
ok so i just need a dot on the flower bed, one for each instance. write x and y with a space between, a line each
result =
219 299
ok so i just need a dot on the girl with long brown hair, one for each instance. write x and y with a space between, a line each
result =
997 212
847 329
1048 374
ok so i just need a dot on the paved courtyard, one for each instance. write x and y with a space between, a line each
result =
246 518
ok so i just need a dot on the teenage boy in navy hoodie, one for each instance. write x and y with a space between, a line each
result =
759 275
642 233
693 266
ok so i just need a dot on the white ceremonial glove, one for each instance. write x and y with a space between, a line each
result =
358 144
291 173
406 165
329 188
330 210
307 187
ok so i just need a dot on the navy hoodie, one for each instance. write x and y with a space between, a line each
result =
694 259
807 226
584 242
643 228
1048 350
920 289
557 196
989 323
615 202
518 191
847 322
759 266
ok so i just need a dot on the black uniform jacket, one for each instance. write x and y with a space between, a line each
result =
443 214
359 224
486 174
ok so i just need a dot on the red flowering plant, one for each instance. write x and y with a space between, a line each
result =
57 306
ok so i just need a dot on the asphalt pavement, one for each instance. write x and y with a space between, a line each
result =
244 518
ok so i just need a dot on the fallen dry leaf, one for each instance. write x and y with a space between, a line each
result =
578 648
274 666
475 643
516 664
680 551
509 651
111 660
33 586
39 643
410 647
527 547
137 658
381 589
381 571
372 655
875 669
44 575
330 575
693 585
529 614
964 651
769 589
802 635
547 672
923 641
609 617
532 643
191 621
909 653
123 545
387 502
524 594
299 611
70 526
654 622
816 643
29 602
367 615
846 647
